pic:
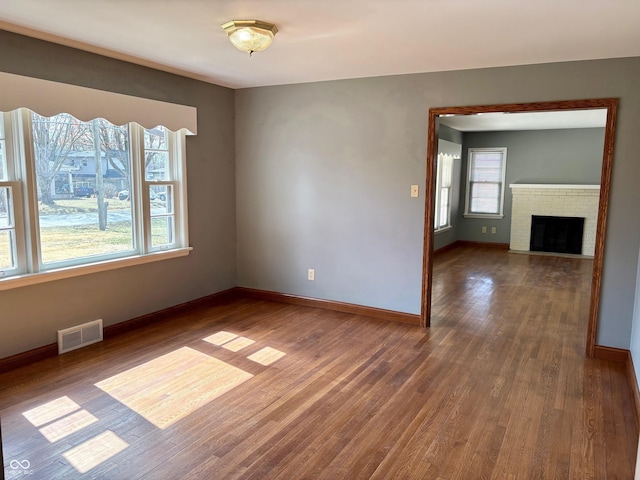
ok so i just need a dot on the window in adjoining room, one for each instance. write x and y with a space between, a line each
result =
485 182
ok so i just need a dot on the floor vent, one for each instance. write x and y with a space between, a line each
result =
79 336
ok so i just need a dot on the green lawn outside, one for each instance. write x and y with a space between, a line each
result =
64 243
81 205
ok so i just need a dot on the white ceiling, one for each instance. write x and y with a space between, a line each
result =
486 122
334 39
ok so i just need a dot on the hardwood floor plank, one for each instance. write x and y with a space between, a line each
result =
497 388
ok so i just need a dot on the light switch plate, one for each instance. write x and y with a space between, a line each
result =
414 191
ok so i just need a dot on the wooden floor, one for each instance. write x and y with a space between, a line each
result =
498 387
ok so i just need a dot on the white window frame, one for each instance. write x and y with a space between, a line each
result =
22 181
470 167
440 180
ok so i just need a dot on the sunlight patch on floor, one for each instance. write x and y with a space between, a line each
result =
51 411
220 338
238 344
266 356
170 387
66 426
94 451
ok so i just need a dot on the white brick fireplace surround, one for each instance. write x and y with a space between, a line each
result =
555 201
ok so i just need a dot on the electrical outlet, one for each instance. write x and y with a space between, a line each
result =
311 274
493 229
414 191
484 229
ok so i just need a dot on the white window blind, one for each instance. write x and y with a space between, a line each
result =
485 186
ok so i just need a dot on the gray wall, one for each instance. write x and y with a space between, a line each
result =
450 134
571 156
323 175
30 316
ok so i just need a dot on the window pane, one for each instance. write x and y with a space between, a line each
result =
444 207
156 155
3 152
6 213
485 197
487 167
3 161
7 232
156 138
162 231
6 250
80 212
447 161
156 165
161 199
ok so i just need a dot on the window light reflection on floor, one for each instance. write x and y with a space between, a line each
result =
50 411
220 338
266 356
170 387
238 344
66 426
94 451
234 343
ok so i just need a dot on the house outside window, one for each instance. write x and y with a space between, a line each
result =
485 182
61 192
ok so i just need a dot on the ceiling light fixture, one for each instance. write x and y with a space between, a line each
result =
250 35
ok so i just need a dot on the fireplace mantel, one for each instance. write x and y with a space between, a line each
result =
553 200
553 186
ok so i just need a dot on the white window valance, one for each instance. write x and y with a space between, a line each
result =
50 98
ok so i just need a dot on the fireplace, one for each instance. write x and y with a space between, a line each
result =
549 200
556 234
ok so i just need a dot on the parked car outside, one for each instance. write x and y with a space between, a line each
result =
124 195
84 192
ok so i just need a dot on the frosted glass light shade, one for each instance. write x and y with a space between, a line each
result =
250 35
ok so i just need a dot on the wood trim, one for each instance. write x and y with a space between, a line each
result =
28 357
603 209
51 350
611 104
468 243
620 355
166 313
429 215
380 313
611 354
447 248
633 386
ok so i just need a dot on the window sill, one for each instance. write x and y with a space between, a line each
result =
26 279
442 230
483 215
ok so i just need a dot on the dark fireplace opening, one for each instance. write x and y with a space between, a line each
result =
556 234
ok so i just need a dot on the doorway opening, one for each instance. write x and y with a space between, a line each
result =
608 104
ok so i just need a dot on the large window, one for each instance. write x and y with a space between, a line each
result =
76 193
444 173
485 182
